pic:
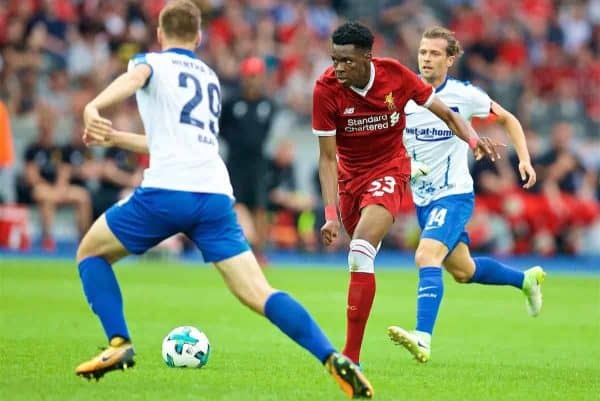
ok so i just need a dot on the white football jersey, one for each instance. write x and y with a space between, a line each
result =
429 140
180 107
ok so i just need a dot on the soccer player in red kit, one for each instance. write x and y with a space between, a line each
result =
358 116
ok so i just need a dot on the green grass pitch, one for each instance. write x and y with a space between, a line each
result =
486 347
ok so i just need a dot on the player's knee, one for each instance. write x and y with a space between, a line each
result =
83 251
361 256
460 276
425 256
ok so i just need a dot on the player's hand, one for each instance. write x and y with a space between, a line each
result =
91 138
94 122
329 231
527 174
488 147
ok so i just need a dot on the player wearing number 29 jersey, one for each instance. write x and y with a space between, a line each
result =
186 190
180 106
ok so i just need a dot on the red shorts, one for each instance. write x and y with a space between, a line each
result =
386 189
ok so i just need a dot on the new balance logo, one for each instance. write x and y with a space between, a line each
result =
349 110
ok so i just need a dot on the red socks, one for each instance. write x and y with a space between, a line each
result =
361 292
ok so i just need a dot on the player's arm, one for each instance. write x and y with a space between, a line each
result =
328 176
481 146
517 137
121 88
108 137
328 173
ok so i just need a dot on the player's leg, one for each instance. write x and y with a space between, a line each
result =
221 241
442 223
489 271
430 291
97 251
130 226
246 281
373 224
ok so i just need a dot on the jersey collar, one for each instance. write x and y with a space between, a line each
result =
363 92
442 86
439 88
178 50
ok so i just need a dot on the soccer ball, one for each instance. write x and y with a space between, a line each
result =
185 346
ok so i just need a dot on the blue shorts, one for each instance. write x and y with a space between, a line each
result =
151 215
445 219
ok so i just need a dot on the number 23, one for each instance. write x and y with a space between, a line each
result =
382 186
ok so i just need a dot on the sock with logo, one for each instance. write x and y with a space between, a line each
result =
104 295
491 272
429 296
292 319
361 292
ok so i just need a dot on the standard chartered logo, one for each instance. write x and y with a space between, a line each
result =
394 118
372 122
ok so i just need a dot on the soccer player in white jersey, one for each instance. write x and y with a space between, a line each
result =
186 190
442 190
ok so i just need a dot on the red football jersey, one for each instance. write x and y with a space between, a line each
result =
369 123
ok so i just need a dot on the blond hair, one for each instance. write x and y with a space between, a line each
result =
180 19
453 48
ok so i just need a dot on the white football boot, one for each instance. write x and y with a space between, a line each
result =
415 342
532 288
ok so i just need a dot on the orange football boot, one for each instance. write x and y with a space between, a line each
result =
118 355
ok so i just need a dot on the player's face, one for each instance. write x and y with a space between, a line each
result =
433 59
352 65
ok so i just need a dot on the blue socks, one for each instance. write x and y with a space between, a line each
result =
429 297
291 318
104 296
491 272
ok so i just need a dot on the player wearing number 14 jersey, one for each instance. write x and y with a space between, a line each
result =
444 197
358 115
185 190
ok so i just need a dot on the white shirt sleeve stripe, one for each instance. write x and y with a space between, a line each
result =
430 100
323 133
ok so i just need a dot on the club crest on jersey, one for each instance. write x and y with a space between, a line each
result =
389 101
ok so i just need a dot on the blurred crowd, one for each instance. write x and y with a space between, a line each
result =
538 58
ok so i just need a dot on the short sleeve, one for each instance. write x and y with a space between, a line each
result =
141 58
480 102
324 111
